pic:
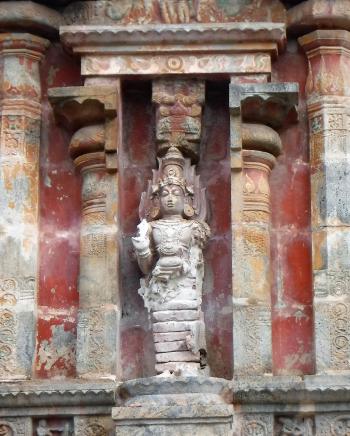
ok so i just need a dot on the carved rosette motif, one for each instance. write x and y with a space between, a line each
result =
84 426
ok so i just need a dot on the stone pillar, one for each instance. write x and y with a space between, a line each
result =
19 195
93 147
251 255
253 151
328 98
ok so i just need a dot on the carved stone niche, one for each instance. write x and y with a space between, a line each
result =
197 406
90 114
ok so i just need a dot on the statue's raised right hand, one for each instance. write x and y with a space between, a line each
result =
141 242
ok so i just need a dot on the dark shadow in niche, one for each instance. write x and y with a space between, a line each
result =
137 158
215 172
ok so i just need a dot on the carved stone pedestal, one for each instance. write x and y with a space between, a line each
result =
172 406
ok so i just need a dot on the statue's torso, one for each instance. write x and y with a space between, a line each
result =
172 237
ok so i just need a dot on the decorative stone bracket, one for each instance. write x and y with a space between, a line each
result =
90 112
254 148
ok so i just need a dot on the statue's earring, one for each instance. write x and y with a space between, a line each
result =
188 211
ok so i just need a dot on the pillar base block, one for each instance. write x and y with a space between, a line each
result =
174 405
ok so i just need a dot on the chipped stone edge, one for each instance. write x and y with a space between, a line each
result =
57 393
294 389
82 35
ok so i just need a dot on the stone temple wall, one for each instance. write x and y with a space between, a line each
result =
95 98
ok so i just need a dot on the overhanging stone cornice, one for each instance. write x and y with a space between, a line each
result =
57 393
115 39
221 48
291 390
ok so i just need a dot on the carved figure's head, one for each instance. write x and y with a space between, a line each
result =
172 200
172 195
173 190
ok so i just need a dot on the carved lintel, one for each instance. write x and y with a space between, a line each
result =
265 103
179 114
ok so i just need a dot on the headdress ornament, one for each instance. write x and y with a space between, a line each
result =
174 169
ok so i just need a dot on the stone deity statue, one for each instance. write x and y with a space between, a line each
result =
168 247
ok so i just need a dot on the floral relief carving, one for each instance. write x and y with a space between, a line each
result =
295 426
340 341
7 341
89 427
341 426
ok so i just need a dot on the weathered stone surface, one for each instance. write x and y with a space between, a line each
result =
252 343
295 425
16 426
104 53
169 12
98 318
175 315
162 405
179 114
29 16
164 347
319 14
259 424
327 104
99 426
19 200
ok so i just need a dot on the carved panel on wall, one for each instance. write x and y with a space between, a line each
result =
54 427
179 114
16 427
176 64
167 11
92 426
294 426
256 425
332 424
